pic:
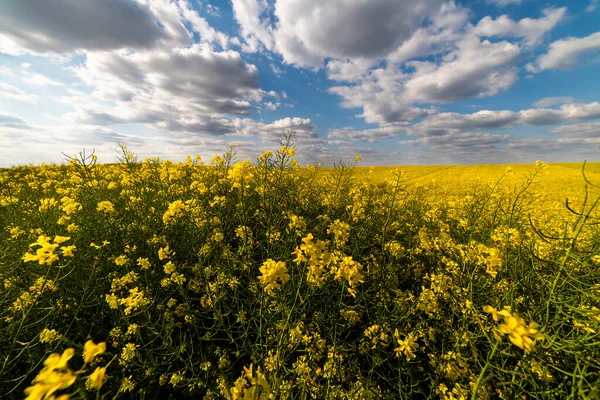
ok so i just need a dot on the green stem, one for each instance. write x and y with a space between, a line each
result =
484 369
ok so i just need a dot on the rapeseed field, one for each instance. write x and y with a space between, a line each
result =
270 280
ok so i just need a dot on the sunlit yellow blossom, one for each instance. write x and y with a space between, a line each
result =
45 253
406 346
274 274
53 377
143 263
96 379
91 350
67 251
49 335
106 207
128 353
121 260
127 385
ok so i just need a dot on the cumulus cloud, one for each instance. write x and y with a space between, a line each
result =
272 106
565 53
310 31
204 78
62 26
476 69
255 26
274 131
590 129
181 89
366 135
551 101
345 71
532 30
8 120
465 143
592 6
41 80
13 92
207 33
503 3
449 123
441 124
566 149
440 36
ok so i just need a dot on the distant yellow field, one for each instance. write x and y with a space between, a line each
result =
557 183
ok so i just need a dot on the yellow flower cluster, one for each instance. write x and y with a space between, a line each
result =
105 207
45 253
252 385
49 335
175 211
273 275
315 254
406 346
56 374
519 333
341 232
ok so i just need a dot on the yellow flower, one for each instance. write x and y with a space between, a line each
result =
53 377
495 313
521 334
129 352
106 207
121 260
96 379
61 239
72 228
49 335
91 350
68 250
272 274
45 253
127 385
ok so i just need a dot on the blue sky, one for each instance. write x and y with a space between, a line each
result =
397 82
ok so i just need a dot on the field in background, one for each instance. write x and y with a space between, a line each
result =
272 281
560 180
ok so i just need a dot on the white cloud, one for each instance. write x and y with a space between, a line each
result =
208 34
304 128
272 106
256 29
308 32
590 129
503 3
592 6
564 53
276 70
345 71
14 93
461 144
550 101
476 69
365 135
532 30
444 124
183 89
41 80
8 120
63 26
213 10
441 124
446 28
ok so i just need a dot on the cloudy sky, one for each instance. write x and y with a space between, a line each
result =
397 82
